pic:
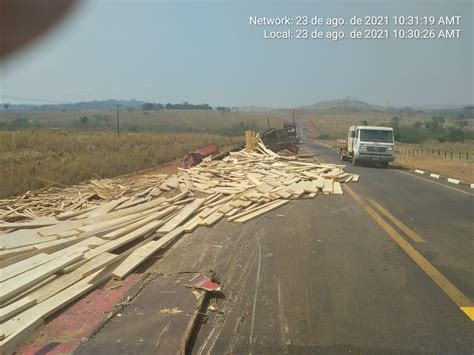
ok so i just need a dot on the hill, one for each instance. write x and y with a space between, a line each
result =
347 103
102 105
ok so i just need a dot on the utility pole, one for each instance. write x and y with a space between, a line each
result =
293 117
118 121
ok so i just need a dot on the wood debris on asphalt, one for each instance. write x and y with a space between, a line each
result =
71 240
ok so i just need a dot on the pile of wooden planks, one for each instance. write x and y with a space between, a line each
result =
52 200
49 261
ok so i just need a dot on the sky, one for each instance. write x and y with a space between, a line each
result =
207 52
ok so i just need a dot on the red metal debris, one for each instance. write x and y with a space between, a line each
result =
196 157
202 282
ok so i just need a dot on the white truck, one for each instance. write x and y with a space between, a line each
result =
368 143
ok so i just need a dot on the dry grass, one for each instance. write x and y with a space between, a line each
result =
461 169
174 121
34 159
457 169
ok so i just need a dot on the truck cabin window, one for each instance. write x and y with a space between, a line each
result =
373 135
353 134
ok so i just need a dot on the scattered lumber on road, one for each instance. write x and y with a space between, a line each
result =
57 244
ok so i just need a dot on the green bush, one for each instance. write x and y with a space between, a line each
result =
433 129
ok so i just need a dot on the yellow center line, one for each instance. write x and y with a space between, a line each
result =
463 302
414 236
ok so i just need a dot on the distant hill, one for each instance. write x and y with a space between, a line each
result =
252 109
345 104
102 105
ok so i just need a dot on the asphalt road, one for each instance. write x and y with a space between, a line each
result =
335 274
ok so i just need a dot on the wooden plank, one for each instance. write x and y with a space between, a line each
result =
233 212
107 207
207 211
172 182
253 179
273 205
143 253
212 219
249 210
192 224
225 208
328 186
17 258
135 210
131 202
8 253
100 261
311 187
32 224
60 227
14 308
18 327
15 285
319 183
349 178
22 238
182 216
297 189
127 229
263 188
337 190
116 243
283 194
24 265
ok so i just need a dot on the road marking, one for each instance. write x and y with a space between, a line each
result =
454 181
463 302
403 227
434 182
469 311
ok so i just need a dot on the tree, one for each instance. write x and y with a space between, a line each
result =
395 124
6 105
223 109
148 106
417 125
130 109
435 125
84 120
460 122
365 123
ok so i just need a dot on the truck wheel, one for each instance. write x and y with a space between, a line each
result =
385 164
354 161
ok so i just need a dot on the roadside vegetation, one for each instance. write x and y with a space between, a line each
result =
433 129
32 159
136 121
